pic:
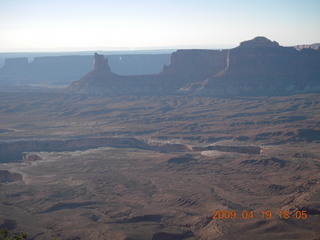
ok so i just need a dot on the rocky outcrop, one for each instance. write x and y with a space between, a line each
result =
7 177
30 157
257 67
99 78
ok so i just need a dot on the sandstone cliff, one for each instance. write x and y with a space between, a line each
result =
258 66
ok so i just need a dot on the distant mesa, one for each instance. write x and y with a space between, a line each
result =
12 63
256 67
62 70
259 42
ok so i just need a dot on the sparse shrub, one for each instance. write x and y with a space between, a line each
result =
5 235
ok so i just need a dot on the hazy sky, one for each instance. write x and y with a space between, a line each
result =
45 25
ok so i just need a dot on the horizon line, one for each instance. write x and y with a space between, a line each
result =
115 49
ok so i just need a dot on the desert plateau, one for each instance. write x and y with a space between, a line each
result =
216 145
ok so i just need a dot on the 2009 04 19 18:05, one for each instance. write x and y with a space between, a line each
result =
231 214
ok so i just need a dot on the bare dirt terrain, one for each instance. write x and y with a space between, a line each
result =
170 190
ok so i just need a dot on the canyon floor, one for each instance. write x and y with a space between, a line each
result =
171 193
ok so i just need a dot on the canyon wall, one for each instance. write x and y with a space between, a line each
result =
13 151
26 150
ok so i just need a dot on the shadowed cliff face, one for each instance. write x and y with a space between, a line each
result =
262 66
257 67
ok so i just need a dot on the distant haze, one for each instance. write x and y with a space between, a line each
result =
79 25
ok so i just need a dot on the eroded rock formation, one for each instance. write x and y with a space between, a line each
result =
257 67
30 157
